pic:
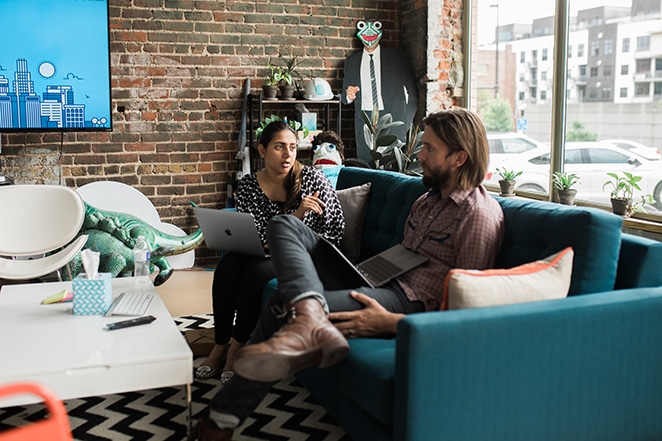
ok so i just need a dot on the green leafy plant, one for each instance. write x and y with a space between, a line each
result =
507 175
275 77
564 181
296 125
623 187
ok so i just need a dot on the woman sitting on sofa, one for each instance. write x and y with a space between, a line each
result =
284 185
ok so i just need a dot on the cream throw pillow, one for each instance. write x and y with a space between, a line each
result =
541 280
354 202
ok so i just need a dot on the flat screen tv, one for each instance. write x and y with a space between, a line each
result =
54 65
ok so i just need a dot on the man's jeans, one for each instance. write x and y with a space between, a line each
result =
294 247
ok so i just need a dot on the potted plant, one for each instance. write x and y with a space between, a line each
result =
271 82
296 125
286 86
563 183
622 193
507 181
287 77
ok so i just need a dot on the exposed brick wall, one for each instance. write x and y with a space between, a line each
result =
178 69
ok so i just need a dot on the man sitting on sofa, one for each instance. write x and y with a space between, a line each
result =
456 224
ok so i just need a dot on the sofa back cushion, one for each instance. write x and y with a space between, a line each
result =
534 230
391 197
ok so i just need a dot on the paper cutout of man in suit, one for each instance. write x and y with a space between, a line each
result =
395 87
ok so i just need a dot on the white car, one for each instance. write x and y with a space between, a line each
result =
638 148
504 145
590 161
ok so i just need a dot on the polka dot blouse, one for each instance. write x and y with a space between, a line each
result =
331 224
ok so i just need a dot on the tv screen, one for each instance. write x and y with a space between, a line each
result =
54 65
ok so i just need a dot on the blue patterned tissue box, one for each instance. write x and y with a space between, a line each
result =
92 296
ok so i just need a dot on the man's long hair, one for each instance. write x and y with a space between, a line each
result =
461 129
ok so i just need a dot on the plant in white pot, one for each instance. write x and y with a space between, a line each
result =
563 182
507 181
622 193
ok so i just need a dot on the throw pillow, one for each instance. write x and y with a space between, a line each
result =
541 280
354 202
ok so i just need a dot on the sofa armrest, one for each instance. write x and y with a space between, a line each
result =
639 262
584 367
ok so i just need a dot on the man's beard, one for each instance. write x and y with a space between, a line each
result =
437 178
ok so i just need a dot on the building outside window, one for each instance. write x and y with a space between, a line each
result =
599 105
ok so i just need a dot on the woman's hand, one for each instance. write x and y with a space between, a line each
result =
310 203
372 321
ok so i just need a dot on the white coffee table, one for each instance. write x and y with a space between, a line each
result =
76 357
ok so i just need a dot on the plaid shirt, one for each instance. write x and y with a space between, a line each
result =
463 230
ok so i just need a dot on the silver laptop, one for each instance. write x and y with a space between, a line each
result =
376 271
230 230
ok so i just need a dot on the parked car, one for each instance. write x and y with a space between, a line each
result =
651 153
506 144
590 161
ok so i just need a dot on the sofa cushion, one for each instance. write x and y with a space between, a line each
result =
354 202
541 280
391 197
535 230
366 376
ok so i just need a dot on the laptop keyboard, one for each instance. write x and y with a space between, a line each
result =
130 303
378 268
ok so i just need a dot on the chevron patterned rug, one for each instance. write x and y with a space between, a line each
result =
288 413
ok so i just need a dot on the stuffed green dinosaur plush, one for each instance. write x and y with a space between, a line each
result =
113 235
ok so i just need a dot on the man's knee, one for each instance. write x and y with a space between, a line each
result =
282 224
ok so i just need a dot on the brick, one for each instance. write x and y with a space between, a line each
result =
177 72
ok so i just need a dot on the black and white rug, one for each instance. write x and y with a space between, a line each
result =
288 413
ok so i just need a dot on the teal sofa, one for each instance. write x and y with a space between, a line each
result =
586 367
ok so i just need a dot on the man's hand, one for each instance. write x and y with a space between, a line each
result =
372 321
310 203
351 92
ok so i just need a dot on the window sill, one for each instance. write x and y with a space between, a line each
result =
645 222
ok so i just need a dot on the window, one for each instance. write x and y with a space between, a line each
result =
642 89
643 66
606 93
601 98
594 48
608 47
643 43
625 47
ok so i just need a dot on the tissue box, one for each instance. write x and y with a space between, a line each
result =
308 120
92 296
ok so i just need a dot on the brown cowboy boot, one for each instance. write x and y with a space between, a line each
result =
307 339
206 431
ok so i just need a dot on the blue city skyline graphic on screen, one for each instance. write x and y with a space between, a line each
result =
54 65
